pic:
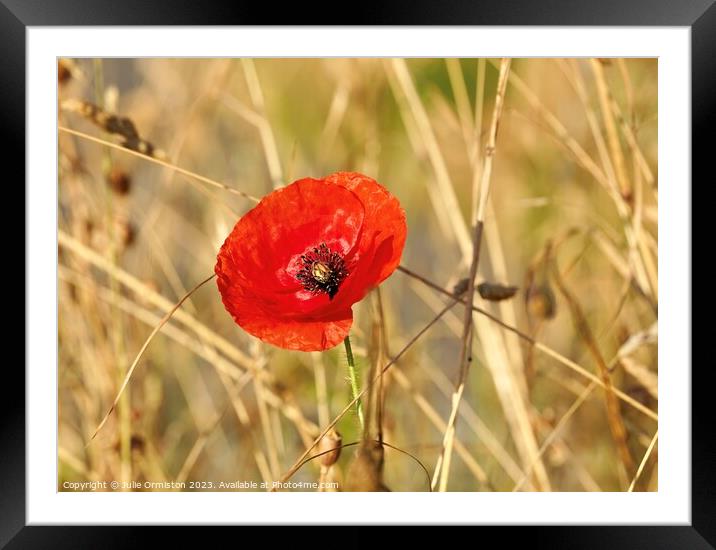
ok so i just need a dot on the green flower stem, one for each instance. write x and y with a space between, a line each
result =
353 377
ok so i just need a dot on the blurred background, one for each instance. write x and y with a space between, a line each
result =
571 221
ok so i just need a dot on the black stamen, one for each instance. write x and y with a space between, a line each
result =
322 271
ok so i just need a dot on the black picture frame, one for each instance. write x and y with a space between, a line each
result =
699 15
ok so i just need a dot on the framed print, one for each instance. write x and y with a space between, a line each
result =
411 261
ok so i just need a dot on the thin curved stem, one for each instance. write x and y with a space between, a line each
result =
144 347
296 465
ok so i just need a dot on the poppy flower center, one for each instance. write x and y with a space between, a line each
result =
322 270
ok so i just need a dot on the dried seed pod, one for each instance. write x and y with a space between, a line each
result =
540 302
495 292
72 290
141 146
628 196
113 124
119 181
365 474
125 232
331 446
136 443
461 287
282 391
64 71
87 227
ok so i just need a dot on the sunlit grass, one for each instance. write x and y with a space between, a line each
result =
573 188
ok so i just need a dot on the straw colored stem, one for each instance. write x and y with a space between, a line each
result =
614 416
297 464
160 162
537 345
646 456
442 470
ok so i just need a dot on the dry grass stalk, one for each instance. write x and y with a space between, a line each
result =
633 143
493 242
267 428
479 102
446 387
459 89
628 88
89 356
141 288
614 415
228 373
648 379
640 264
336 114
161 162
637 262
297 464
123 127
134 364
646 456
549 440
448 227
558 128
434 417
210 342
472 420
319 376
198 447
446 194
268 139
445 203
580 87
615 148
538 345
442 468
643 252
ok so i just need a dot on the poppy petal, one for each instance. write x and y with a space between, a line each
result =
265 268
294 334
383 237
265 245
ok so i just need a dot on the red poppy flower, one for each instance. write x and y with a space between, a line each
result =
293 266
